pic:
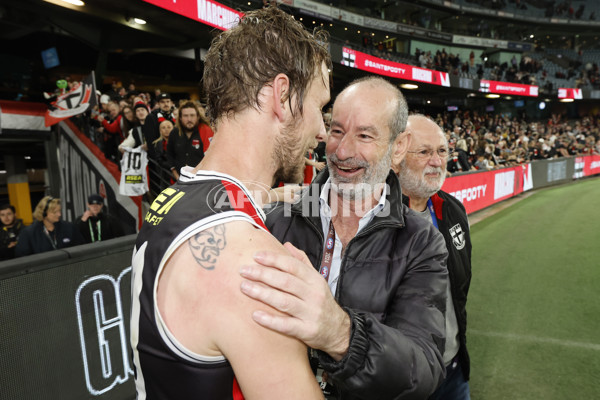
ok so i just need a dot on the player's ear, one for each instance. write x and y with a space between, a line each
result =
280 95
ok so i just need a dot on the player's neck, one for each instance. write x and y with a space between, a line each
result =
244 152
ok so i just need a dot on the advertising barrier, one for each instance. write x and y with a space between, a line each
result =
482 189
552 172
65 323
478 190
586 166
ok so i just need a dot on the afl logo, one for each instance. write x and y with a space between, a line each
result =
329 243
324 271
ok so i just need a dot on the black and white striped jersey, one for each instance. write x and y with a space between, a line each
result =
165 369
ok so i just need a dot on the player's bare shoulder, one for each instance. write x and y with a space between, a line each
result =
206 246
218 248
202 276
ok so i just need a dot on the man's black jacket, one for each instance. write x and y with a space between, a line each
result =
454 225
392 283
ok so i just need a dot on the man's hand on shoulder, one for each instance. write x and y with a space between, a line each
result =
290 284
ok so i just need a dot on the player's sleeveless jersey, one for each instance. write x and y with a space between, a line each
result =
164 369
134 179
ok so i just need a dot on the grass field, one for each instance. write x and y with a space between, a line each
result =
534 303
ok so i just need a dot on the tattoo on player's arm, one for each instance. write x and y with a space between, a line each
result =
206 246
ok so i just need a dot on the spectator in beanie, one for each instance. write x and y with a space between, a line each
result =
95 225
150 127
136 136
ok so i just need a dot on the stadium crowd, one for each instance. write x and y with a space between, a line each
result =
533 68
549 68
486 141
480 140
170 132
522 71
477 141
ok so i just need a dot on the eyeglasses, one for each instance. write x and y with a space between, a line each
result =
426 154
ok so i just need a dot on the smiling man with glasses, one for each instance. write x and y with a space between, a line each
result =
422 174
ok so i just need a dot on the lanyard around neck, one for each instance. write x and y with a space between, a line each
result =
98 225
328 253
52 237
432 212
